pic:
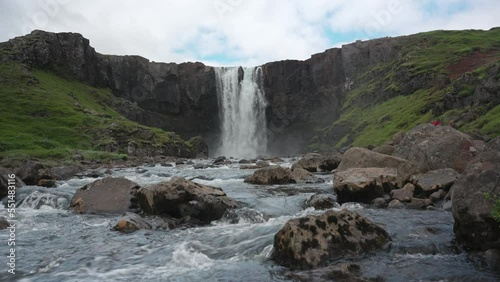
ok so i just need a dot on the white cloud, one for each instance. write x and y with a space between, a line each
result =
243 32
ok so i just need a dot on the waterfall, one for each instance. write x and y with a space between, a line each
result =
243 112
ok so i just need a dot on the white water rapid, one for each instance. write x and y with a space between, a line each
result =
243 112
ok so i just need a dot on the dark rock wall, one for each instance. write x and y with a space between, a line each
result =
302 95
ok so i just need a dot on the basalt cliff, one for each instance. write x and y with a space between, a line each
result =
361 94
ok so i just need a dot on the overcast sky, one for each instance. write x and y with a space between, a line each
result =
238 32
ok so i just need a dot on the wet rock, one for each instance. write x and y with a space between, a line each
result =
270 175
384 149
65 172
321 202
364 158
344 272
309 162
181 198
404 194
166 165
31 172
257 165
48 183
364 184
475 226
437 196
3 223
434 180
432 147
315 241
301 175
419 204
131 222
379 203
108 195
330 162
219 160
243 161
4 182
396 204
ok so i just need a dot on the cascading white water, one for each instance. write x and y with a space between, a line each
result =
243 112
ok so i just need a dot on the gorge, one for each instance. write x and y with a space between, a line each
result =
361 94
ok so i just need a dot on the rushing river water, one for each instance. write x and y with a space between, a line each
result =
54 244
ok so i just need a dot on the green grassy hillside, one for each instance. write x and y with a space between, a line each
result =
48 117
443 75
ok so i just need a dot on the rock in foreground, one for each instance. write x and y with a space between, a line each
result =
180 198
315 241
108 195
474 225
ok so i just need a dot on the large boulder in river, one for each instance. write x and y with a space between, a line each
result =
433 147
474 225
315 241
330 162
309 162
301 175
271 175
363 185
108 195
364 158
181 198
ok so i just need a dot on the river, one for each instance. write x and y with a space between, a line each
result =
54 244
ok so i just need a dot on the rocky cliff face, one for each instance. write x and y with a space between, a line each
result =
332 98
174 97
304 95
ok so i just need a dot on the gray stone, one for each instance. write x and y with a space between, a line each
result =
108 195
404 194
364 184
314 241
181 198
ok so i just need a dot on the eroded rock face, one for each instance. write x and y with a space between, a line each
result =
363 185
271 175
315 241
108 195
474 225
364 158
181 198
432 147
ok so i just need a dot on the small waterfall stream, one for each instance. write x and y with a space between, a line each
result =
243 112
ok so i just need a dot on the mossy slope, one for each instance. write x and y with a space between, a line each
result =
48 117
443 75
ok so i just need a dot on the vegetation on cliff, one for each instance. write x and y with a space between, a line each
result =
48 117
440 75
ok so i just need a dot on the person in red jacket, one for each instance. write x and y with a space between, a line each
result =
436 122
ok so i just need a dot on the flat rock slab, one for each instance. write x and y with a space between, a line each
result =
108 195
435 180
364 158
